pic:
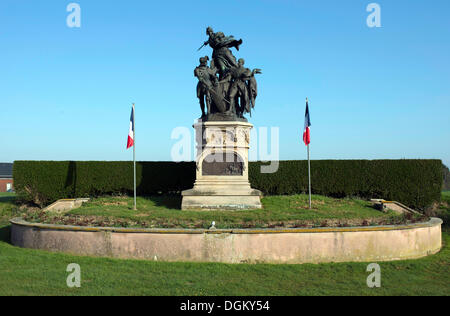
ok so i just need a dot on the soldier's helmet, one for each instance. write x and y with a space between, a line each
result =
209 30
241 61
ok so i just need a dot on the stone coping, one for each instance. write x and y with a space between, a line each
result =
275 246
431 223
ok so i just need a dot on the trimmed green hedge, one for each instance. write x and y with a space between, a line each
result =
43 182
416 183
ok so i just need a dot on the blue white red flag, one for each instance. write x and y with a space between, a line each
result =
306 130
130 142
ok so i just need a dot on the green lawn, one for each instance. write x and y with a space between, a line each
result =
444 209
278 211
7 206
33 272
446 196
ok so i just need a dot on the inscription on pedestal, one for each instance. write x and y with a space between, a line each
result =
223 164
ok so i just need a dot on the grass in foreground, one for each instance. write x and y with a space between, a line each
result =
33 272
278 211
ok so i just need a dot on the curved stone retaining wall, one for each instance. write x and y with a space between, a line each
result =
293 246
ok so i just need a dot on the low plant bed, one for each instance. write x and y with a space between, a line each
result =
277 212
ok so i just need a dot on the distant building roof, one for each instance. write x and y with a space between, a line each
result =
6 170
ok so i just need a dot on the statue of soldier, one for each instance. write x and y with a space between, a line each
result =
243 88
207 81
223 59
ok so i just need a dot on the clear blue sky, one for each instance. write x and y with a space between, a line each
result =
65 94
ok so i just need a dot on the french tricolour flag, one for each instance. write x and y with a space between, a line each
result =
130 142
306 131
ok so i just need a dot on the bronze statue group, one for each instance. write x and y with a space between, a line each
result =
226 89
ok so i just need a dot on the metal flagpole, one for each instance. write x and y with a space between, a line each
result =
309 167
309 178
134 154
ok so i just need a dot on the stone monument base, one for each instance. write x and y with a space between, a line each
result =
219 194
222 168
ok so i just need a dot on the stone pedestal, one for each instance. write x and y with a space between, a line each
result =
222 168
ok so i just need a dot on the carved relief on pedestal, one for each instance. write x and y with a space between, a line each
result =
224 137
243 138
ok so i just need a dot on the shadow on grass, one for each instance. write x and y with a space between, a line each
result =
168 201
5 234
372 207
7 199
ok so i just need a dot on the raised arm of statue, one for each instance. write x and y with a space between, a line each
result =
256 71
204 44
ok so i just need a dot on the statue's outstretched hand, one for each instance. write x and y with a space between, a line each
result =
239 43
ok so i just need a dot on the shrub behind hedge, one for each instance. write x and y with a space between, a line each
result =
416 183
